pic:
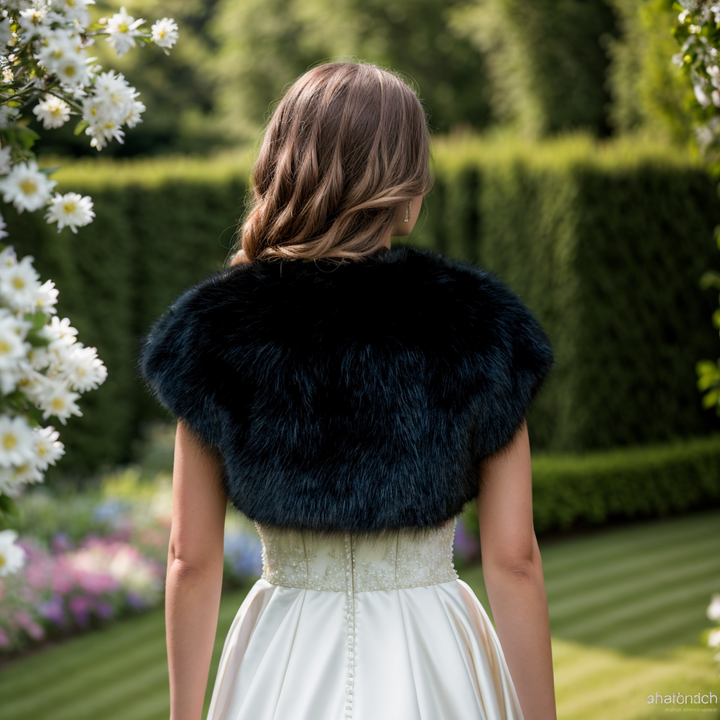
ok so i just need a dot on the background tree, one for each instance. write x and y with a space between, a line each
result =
265 44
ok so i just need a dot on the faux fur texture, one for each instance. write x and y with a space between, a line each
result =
350 397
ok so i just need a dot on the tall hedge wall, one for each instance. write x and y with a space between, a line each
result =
605 244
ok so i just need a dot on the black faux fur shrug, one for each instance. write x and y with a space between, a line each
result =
359 396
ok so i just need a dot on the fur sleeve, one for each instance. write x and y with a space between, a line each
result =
523 359
173 362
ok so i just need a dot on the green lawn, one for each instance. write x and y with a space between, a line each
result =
626 608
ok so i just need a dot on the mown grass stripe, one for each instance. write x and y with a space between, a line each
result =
628 589
659 633
633 564
580 552
108 695
599 624
629 690
138 659
85 651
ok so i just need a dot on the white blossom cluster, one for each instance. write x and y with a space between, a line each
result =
45 65
698 30
42 365
713 612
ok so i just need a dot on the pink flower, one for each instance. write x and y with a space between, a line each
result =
4 639
22 618
35 631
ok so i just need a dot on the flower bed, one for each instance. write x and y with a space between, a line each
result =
92 558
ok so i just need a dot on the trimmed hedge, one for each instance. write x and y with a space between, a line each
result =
576 492
605 243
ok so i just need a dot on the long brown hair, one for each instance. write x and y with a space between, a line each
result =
346 145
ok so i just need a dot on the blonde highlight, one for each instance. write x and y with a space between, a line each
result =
346 145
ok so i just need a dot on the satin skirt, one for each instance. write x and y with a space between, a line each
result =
346 627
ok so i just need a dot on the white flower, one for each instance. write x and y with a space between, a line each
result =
38 358
13 346
165 33
26 187
122 30
48 448
715 95
31 21
702 98
134 117
12 556
713 611
72 70
26 377
58 44
8 257
112 104
3 226
714 638
47 297
28 472
17 441
60 332
7 115
5 31
52 111
71 209
20 285
75 10
55 399
5 160
83 369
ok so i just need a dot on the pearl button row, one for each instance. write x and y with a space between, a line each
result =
350 682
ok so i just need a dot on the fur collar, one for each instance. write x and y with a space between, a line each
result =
359 396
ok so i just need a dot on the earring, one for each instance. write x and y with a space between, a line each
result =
407 212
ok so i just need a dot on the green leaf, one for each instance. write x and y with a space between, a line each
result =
8 505
37 319
80 127
705 367
710 278
716 318
711 399
50 170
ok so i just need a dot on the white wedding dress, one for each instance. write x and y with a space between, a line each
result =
358 626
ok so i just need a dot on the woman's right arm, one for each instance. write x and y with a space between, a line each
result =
513 574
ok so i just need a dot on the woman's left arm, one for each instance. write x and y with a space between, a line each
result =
194 571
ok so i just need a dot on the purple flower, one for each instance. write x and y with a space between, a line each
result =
465 545
80 607
53 610
61 543
135 600
104 609
244 553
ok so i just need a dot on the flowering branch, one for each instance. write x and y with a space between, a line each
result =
698 32
44 64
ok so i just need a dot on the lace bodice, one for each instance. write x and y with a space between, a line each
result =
359 562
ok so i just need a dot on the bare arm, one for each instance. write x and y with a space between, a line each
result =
194 574
513 574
